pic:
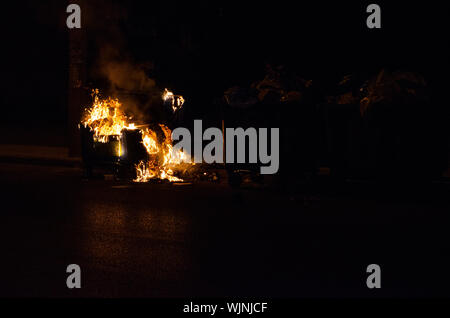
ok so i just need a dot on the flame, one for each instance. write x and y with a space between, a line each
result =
177 101
106 119
162 158
150 141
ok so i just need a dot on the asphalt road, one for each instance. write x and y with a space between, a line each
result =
140 240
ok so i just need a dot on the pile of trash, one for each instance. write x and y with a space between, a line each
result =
395 130
278 85
394 88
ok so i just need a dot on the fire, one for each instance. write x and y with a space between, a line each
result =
150 141
107 119
162 158
176 101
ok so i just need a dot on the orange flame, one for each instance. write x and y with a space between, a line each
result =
177 101
106 119
161 157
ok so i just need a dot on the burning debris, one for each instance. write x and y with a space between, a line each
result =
106 119
162 159
176 101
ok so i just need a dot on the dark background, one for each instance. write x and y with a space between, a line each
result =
299 238
202 48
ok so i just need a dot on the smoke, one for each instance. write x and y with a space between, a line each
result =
127 76
129 81
114 68
123 73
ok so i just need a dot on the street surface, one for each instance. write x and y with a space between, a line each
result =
145 240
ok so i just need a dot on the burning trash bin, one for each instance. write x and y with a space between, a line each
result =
129 151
